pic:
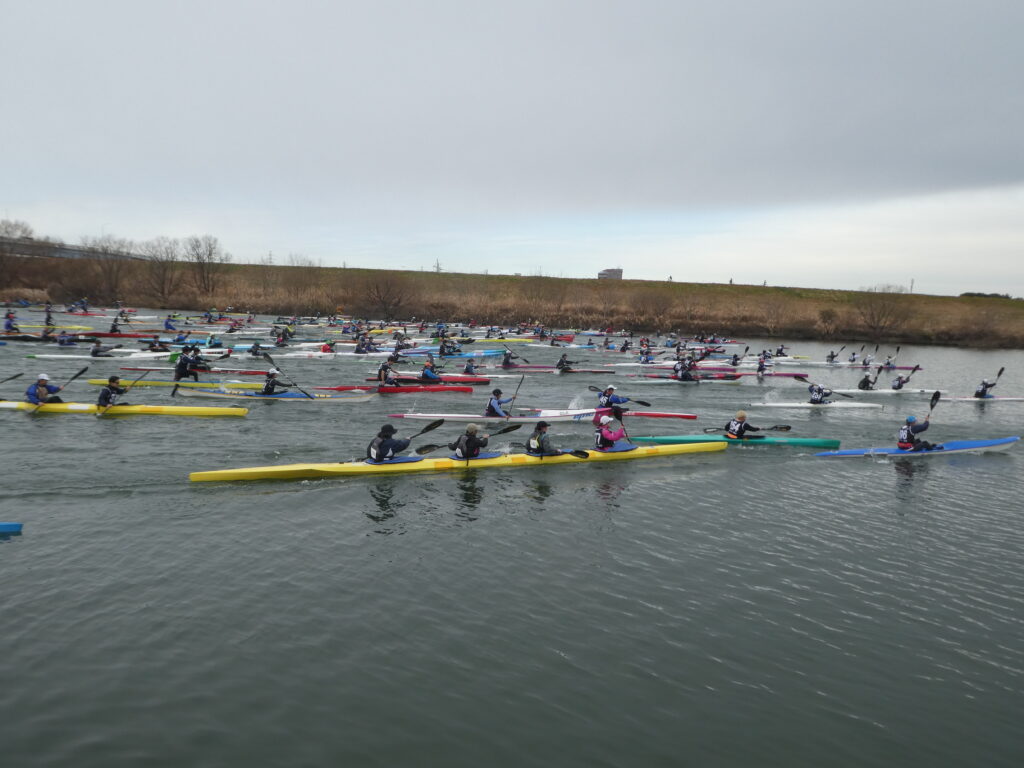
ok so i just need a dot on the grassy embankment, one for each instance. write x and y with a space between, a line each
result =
579 303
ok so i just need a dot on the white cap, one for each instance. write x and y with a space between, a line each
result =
605 420
42 377
610 386
273 371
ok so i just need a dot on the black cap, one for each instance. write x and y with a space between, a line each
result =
542 424
112 379
388 429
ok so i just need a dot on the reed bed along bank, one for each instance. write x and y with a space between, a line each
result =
876 315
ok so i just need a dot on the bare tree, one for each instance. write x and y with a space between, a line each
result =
387 294
162 273
774 311
828 321
206 260
14 228
882 308
110 257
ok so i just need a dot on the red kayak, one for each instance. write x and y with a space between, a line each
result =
699 377
466 380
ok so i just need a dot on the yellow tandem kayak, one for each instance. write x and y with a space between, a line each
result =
408 464
122 410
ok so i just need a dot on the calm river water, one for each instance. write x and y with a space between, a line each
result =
759 607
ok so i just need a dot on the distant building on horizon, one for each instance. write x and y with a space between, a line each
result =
609 274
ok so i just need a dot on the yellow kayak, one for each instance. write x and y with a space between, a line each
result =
122 410
64 327
407 464
185 384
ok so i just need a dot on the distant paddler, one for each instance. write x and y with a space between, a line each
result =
738 426
328 347
168 325
385 445
64 339
607 398
819 394
507 358
983 388
683 369
98 350
256 350
42 391
470 368
9 325
109 393
428 372
564 363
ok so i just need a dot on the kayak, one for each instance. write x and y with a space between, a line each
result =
449 378
903 391
236 371
563 346
408 464
385 390
699 377
187 384
123 410
580 414
859 366
289 397
954 446
807 442
10 527
985 399
830 404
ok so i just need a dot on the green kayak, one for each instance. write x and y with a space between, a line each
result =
807 442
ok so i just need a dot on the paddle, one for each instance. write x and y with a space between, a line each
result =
999 374
425 449
644 403
515 355
514 396
805 381
103 412
774 428
11 378
935 400
291 382
577 453
65 384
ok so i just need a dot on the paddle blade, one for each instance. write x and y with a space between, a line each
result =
644 403
579 454
509 428
715 429
780 428
77 375
1000 373
935 400
424 449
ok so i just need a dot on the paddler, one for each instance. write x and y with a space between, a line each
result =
428 372
470 368
385 373
271 386
168 325
604 437
109 394
683 369
9 325
327 347
157 346
564 363
899 381
385 445
983 388
866 384
539 444
907 439
853 358
98 350
818 394
43 391
494 408
762 365
738 426
255 350
183 367
114 327
468 445
64 340
831 357
507 358
608 399
781 351
889 363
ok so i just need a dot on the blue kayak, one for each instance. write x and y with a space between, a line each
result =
953 446
10 527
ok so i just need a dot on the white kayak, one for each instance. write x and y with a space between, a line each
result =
830 404
986 399
904 391
579 414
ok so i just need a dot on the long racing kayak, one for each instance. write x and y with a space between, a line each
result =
123 410
954 446
187 384
410 389
808 442
288 397
580 414
408 464
829 404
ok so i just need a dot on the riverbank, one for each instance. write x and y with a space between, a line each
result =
802 313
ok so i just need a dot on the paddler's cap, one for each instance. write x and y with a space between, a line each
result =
112 379
610 386
496 392
42 377
605 420
911 419
388 429
472 429
273 372
542 424
741 414
985 381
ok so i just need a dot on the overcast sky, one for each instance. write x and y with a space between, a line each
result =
812 143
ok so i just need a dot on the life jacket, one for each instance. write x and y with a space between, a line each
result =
373 451
493 408
600 441
461 447
898 382
905 438
864 384
735 428
817 394
533 445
